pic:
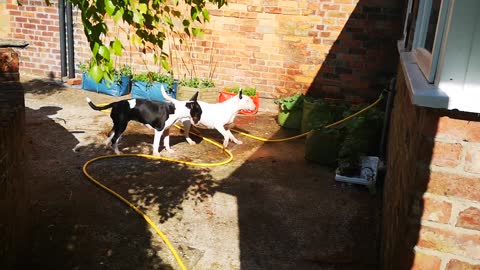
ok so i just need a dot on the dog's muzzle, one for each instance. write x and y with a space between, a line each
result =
194 120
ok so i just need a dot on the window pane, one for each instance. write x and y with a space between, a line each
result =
432 25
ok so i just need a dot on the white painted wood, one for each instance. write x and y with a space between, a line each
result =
457 44
472 80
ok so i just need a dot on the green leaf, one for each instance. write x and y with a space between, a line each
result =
194 13
109 7
143 8
165 64
96 46
96 73
117 47
168 20
197 32
104 52
118 15
138 18
206 15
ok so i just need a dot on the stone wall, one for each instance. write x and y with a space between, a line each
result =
329 47
14 201
431 214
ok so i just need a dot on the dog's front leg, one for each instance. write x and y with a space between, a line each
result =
225 134
166 141
156 142
186 131
235 140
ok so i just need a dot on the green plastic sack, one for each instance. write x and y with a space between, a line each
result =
322 145
320 112
291 111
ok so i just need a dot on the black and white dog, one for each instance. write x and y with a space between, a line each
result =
159 116
219 116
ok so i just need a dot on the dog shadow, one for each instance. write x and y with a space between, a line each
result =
75 224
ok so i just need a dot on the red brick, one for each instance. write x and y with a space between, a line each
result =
453 185
459 265
331 7
447 241
436 210
469 218
274 10
472 159
74 81
458 129
446 154
426 262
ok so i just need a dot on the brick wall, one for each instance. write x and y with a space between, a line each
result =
14 210
432 188
5 22
328 47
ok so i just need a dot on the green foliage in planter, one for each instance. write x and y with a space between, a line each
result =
290 103
249 91
361 138
320 112
151 77
124 70
197 83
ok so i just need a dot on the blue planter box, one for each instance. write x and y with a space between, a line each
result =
116 88
151 91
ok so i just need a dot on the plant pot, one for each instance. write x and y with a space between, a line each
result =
209 95
320 112
116 88
151 91
321 146
290 111
290 118
228 95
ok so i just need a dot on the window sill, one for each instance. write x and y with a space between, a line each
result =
425 94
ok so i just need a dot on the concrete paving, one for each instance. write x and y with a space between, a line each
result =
268 209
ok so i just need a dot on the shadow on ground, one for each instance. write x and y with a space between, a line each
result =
268 209
79 226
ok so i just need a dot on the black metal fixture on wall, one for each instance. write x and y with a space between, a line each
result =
61 26
66 38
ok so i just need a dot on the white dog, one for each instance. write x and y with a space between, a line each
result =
218 116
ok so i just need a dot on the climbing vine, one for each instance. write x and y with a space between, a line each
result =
151 21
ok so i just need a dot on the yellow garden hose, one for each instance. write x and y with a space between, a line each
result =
149 221
229 159
306 133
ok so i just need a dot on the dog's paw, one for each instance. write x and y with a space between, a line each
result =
238 142
156 153
170 150
191 142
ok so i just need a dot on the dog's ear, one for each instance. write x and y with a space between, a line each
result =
194 97
171 108
240 93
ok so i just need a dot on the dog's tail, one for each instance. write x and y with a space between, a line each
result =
98 108
166 96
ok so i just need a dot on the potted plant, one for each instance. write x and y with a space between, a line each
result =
290 111
120 85
229 92
206 89
147 85
362 134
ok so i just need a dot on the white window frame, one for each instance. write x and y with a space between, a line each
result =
427 61
450 77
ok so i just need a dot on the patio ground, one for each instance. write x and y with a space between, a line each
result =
268 209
